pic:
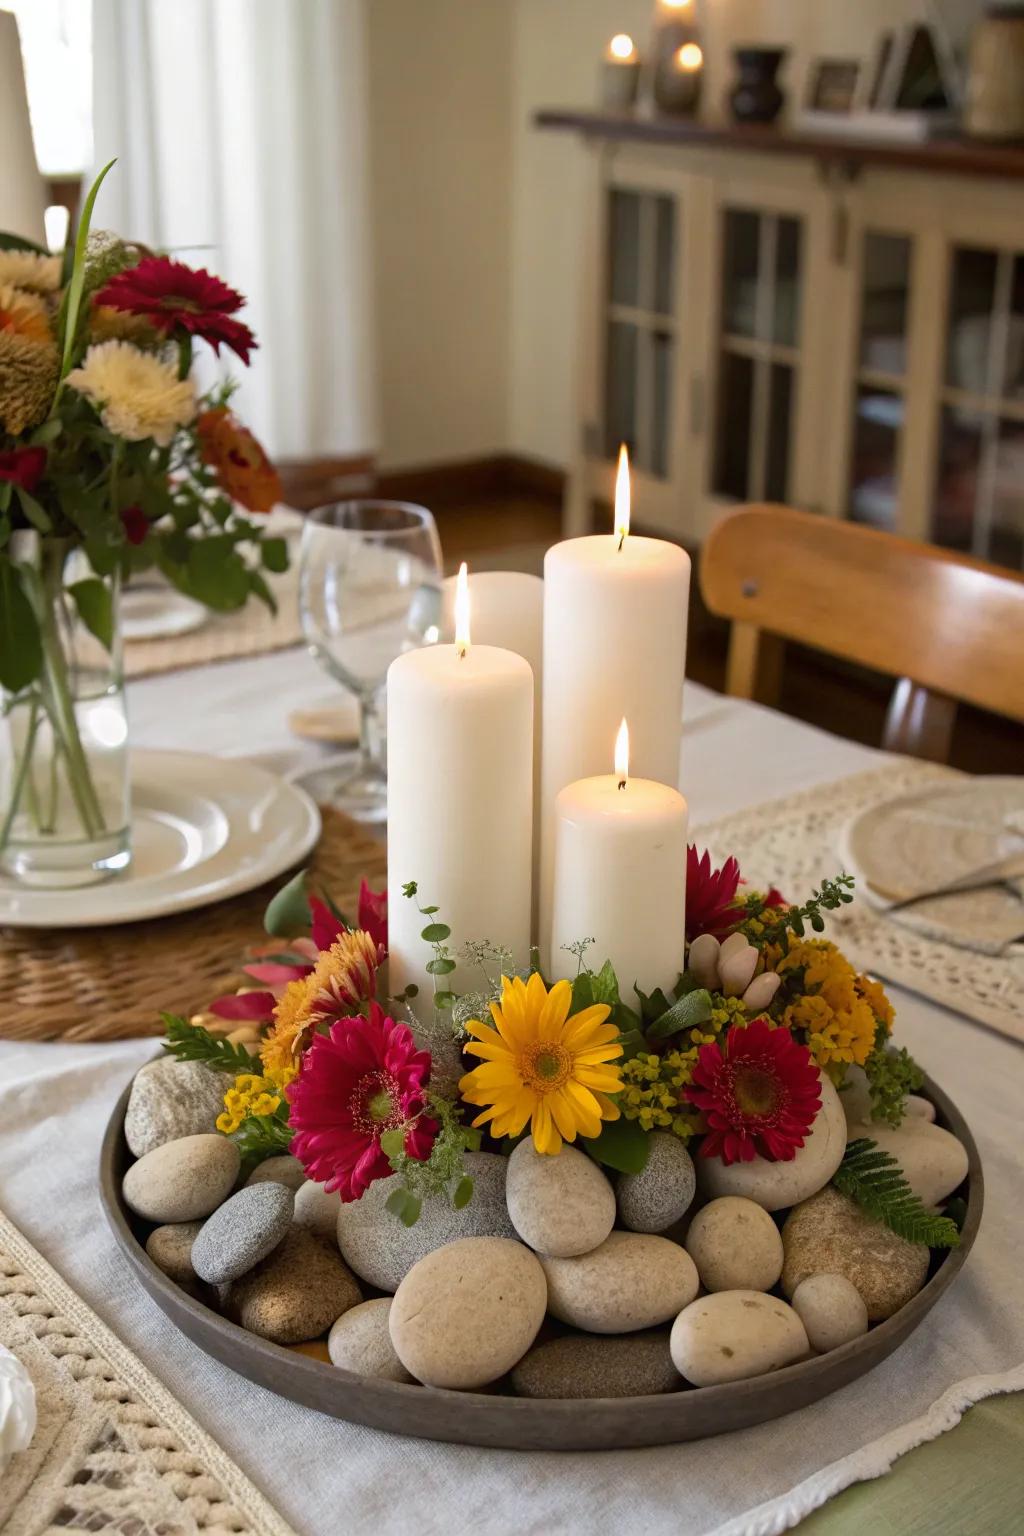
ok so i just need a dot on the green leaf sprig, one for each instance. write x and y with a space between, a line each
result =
833 894
437 936
875 1180
191 1042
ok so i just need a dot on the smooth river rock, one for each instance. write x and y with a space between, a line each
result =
360 1341
625 1365
294 1294
242 1232
776 1186
171 1099
735 1245
830 1235
658 1196
382 1251
317 1210
634 1280
933 1161
734 1335
284 1170
466 1313
182 1180
831 1310
170 1248
562 1205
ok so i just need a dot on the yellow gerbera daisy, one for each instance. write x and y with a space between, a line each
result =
540 1065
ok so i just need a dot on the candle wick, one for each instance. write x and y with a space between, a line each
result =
622 538
461 649
622 783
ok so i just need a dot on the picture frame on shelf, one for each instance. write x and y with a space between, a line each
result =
833 85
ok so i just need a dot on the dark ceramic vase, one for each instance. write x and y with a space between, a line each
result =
757 96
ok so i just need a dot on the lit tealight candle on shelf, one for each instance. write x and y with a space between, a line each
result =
620 75
620 876
615 608
678 77
460 793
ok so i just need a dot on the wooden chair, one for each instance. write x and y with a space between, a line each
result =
949 628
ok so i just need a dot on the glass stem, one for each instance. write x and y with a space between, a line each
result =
369 732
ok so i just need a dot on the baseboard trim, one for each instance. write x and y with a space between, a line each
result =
448 484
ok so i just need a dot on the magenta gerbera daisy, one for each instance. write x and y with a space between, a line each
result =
711 905
363 1078
759 1093
174 297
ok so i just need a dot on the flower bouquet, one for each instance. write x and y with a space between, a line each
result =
639 1148
111 463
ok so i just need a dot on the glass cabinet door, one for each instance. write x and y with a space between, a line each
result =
758 354
880 379
979 491
640 328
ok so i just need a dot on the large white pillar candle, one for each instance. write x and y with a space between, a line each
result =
460 777
508 611
620 877
615 609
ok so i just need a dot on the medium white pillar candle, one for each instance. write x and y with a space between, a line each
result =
615 609
460 777
508 611
620 878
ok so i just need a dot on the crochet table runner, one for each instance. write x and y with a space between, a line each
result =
794 843
113 1450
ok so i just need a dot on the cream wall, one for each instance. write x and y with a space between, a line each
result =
441 128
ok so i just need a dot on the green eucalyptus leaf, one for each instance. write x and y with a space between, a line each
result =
95 608
288 912
411 1211
445 999
396 1202
21 651
463 1192
440 966
693 1009
622 1145
436 933
392 1143
274 554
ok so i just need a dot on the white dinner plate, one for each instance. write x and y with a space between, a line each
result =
203 829
157 612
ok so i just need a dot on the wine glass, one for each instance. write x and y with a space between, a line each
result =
369 589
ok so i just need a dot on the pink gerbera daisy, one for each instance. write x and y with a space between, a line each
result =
363 1078
711 905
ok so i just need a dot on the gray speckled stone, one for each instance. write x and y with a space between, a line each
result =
381 1251
242 1232
182 1180
655 1199
623 1365
561 1205
294 1294
170 1248
360 1341
284 1170
171 1099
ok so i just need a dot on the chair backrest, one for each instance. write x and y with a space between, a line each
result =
951 625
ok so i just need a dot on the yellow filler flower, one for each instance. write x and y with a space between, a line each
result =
541 1066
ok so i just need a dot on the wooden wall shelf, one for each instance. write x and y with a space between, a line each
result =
960 157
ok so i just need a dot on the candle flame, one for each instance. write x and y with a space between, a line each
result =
676 5
622 496
462 610
690 57
621 46
622 754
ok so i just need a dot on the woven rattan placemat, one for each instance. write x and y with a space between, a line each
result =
111 983
252 631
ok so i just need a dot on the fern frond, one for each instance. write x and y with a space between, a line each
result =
876 1182
191 1042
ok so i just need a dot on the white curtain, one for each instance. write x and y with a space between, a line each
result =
241 131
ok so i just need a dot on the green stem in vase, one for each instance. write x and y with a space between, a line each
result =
21 775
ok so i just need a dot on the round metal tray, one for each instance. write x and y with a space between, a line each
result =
515 1423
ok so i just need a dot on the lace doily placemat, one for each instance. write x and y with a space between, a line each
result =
113 1450
794 843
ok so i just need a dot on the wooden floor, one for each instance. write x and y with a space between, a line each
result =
512 533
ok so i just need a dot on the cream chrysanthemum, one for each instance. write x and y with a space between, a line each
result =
137 395
31 270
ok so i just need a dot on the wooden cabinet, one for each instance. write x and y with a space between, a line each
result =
845 338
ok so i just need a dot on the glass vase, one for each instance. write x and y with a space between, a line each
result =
65 811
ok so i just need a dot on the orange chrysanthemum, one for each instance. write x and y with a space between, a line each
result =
24 314
242 468
344 977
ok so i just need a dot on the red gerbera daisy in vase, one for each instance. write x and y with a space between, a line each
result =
173 297
759 1093
711 905
363 1078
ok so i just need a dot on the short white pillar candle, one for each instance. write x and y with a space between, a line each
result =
620 877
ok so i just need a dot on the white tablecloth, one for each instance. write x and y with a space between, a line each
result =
326 1476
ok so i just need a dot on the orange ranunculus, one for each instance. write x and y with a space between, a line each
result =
25 315
242 468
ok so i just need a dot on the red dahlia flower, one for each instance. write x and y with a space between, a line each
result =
23 466
173 297
711 905
364 1078
759 1094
